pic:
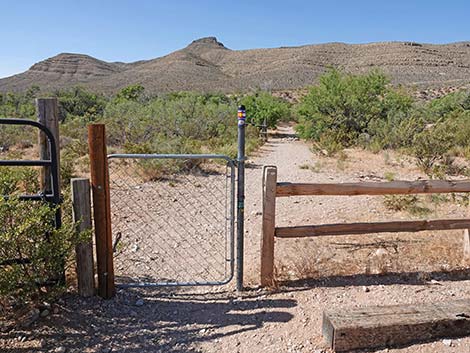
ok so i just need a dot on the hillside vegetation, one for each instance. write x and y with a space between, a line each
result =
206 65
343 110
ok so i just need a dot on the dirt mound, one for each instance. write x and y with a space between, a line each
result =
207 65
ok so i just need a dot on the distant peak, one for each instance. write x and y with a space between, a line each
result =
76 65
208 42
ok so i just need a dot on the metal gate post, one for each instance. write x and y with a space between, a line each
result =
240 195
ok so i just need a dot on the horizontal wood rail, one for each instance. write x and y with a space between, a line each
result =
380 188
273 189
366 228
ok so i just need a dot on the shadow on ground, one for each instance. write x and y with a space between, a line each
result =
152 321
407 278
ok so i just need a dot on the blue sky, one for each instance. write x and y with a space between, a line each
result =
130 30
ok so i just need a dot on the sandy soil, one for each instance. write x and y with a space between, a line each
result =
395 268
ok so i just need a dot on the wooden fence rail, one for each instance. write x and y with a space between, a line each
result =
380 188
273 189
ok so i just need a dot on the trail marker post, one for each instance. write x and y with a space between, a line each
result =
240 195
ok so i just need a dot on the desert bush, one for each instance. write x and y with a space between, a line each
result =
80 102
439 108
408 203
430 148
18 179
27 233
68 163
330 143
18 105
153 169
396 131
133 92
345 106
262 105
364 110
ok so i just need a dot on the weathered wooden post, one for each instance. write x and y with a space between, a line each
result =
101 209
81 204
268 227
47 111
466 239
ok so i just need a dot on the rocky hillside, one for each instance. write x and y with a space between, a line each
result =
207 65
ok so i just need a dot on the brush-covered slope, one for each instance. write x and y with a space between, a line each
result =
207 65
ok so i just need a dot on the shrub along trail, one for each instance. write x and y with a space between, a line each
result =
346 271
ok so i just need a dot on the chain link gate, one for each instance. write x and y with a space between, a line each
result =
172 219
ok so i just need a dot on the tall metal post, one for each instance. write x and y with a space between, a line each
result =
240 195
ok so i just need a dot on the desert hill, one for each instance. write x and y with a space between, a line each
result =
207 65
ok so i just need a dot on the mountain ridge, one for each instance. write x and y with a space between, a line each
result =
208 65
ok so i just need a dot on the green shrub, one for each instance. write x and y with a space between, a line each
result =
262 106
458 102
79 102
408 203
430 148
346 106
396 131
153 169
130 93
18 179
27 232
18 105
364 110
330 143
68 163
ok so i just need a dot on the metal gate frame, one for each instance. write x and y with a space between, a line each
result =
54 197
230 164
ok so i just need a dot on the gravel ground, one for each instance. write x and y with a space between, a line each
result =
345 271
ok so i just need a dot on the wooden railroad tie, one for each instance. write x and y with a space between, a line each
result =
395 325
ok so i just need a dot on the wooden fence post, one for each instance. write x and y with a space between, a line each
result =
268 228
466 246
101 209
466 239
47 111
81 204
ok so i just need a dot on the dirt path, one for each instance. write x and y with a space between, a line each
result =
289 320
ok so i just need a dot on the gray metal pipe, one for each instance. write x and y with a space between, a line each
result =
240 195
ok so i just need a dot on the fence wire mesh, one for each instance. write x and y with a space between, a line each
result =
172 219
